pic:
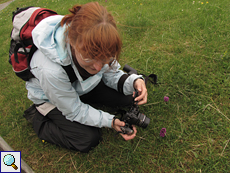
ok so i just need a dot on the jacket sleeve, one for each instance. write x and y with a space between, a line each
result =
60 93
119 80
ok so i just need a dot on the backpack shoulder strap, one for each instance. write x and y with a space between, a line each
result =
70 72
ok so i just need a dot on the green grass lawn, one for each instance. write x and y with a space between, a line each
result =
187 44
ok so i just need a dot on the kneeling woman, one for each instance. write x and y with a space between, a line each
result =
88 40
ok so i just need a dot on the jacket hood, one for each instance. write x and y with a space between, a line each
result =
49 37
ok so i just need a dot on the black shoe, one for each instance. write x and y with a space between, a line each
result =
29 113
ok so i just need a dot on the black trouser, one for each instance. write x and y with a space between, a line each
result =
56 129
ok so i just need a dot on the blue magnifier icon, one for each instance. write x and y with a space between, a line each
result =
9 160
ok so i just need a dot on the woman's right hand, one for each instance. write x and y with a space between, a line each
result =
116 124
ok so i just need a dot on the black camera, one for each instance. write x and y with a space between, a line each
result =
133 116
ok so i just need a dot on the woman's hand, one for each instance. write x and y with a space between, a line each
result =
140 86
116 124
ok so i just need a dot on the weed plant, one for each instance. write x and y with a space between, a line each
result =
187 44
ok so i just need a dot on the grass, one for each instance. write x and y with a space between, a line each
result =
187 45
3 1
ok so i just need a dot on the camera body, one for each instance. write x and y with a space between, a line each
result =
134 117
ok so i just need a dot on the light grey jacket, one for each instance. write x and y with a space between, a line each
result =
52 85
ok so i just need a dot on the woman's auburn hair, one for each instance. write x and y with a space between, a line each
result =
92 31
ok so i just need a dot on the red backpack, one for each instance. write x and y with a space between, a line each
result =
21 46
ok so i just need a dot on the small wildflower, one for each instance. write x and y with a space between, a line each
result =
163 132
193 2
182 10
202 3
141 4
207 2
105 0
198 8
166 99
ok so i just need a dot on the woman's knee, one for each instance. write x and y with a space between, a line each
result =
90 141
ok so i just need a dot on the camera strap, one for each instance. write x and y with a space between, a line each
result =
151 76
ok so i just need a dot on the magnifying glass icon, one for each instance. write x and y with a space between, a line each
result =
9 160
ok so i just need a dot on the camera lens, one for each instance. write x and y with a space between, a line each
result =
143 120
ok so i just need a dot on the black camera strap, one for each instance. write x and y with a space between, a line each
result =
151 76
129 70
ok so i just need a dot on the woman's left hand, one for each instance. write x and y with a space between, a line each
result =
117 124
140 86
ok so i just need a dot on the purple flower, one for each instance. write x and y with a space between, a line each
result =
163 132
166 99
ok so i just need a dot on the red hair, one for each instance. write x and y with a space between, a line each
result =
92 31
